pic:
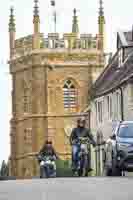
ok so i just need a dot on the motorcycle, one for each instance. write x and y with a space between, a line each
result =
47 166
83 156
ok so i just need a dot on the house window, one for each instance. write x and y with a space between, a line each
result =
118 105
100 111
70 95
109 107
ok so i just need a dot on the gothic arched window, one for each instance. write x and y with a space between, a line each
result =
70 95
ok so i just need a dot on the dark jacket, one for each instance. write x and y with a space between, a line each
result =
81 132
48 151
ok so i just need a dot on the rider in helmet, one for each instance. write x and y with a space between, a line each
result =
79 131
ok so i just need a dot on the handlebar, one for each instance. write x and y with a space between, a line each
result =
41 157
82 140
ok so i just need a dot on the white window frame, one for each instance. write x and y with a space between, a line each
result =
99 115
118 104
120 57
109 106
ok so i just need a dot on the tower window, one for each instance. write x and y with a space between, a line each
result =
27 140
26 101
26 97
70 95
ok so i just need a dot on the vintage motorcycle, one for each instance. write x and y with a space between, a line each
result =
47 166
84 153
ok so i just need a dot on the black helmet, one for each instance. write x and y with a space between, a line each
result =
81 120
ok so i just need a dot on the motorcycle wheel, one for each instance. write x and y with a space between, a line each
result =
43 173
116 171
83 168
86 172
107 171
80 172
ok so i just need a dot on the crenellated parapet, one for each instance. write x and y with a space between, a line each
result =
24 45
54 43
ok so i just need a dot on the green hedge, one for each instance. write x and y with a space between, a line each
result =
64 168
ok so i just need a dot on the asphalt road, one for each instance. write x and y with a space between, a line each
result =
68 189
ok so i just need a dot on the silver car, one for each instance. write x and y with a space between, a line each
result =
119 150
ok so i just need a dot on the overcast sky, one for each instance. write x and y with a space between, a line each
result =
118 14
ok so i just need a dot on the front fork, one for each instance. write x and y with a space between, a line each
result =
43 172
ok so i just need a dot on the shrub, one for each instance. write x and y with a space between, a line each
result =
63 168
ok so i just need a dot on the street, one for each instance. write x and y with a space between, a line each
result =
67 189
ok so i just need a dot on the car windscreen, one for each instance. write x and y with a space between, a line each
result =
126 131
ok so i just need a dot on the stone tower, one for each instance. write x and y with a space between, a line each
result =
51 77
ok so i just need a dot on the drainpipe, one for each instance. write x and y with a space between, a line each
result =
122 104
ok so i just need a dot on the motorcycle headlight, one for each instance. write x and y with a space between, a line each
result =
123 145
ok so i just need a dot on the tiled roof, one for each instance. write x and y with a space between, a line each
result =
124 38
113 76
129 37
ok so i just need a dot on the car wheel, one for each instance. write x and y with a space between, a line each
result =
80 172
116 171
108 171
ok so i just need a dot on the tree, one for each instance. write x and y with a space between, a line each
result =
4 171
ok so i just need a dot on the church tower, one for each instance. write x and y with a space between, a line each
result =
51 77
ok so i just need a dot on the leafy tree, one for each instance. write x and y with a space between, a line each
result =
4 171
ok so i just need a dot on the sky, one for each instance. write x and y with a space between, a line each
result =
118 15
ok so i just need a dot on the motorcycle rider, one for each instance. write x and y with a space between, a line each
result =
80 131
48 151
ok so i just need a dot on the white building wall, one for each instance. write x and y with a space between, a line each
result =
108 122
128 105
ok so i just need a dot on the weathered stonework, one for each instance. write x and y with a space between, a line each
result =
46 116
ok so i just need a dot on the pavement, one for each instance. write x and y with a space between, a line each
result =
91 188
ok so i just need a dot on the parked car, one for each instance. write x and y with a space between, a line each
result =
119 150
